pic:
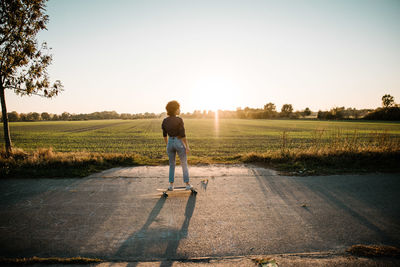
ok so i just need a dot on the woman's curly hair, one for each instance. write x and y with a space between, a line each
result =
172 107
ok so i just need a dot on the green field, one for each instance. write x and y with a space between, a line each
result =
206 137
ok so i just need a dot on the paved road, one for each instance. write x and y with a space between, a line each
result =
242 210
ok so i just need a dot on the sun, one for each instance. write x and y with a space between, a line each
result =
216 93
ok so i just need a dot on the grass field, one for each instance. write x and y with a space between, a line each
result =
331 146
206 137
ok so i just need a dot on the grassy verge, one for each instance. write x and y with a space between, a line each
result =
53 260
50 164
329 160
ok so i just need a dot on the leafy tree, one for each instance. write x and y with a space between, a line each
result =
13 116
65 116
325 115
270 107
286 110
337 112
390 114
33 116
55 117
306 112
22 117
387 101
45 116
23 62
269 110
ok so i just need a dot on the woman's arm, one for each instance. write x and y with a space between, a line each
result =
185 142
164 132
182 135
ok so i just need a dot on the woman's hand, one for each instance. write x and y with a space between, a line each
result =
185 143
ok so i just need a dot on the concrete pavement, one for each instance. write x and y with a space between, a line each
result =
117 215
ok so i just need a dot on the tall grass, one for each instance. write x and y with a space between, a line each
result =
338 141
340 152
44 162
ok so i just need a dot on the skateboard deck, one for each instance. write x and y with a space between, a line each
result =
178 189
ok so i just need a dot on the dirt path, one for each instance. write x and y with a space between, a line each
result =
239 210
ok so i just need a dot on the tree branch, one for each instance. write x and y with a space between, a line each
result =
19 30
24 90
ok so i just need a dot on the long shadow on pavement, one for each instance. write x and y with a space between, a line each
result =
172 247
23 206
146 240
370 195
334 198
137 242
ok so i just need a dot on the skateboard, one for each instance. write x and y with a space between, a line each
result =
177 189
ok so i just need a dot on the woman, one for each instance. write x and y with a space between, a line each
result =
176 142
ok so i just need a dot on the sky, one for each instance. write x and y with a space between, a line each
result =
135 56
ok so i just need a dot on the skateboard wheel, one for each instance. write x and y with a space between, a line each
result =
165 195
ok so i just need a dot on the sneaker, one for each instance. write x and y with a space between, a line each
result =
171 188
189 187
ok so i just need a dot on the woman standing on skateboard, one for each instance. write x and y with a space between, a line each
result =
176 142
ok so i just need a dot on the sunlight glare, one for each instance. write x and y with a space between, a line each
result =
216 123
216 92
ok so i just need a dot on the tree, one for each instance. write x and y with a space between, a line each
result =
387 101
23 62
33 116
22 117
337 113
270 107
269 110
390 114
286 110
306 112
45 116
13 116
65 116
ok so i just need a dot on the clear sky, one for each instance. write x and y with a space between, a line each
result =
135 56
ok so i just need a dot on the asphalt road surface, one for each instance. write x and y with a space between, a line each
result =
239 210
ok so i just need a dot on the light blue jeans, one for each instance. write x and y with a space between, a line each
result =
175 145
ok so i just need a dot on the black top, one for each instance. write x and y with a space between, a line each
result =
173 126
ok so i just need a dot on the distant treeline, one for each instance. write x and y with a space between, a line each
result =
342 113
389 111
385 113
268 112
65 116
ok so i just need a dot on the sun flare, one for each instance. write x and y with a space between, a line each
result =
214 93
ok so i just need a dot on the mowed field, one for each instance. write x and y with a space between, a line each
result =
207 137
